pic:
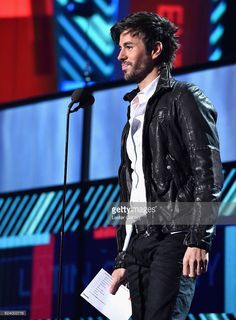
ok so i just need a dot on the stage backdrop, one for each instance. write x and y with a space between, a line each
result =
32 135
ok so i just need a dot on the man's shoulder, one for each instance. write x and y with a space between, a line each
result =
185 87
191 95
189 91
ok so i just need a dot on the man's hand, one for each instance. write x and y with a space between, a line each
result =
118 277
195 262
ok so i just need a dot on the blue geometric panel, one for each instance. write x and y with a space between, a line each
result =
38 212
230 266
219 8
211 316
85 48
27 214
228 203
200 316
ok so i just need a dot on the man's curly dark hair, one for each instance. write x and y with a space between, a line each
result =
151 28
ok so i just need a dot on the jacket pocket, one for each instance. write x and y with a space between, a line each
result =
186 193
185 185
174 169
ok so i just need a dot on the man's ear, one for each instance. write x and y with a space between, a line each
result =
156 51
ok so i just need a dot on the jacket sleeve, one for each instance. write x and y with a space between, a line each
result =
124 180
120 258
197 121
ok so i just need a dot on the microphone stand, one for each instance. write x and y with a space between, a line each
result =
60 276
84 100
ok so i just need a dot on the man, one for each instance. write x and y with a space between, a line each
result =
170 159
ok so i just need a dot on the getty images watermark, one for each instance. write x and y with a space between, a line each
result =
179 213
13 313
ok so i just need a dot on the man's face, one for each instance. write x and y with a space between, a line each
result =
135 61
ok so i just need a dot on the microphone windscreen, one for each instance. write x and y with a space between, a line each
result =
87 101
83 97
76 95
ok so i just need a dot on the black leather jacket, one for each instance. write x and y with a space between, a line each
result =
181 159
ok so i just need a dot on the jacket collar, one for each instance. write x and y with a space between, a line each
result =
165 82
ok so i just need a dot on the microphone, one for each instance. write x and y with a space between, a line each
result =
83 97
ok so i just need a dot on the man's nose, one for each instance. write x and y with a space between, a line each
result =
121 55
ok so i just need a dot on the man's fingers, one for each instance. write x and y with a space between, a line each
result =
201 267
118 276
185 268
192 268
205 265
114 286
195 262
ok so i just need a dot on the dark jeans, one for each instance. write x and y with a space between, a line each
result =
157 289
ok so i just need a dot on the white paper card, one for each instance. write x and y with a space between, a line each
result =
114 307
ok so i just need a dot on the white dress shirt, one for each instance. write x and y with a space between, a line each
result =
134 150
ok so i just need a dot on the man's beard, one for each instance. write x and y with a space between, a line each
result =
138 74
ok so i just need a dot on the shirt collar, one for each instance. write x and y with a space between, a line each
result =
139 102
145 94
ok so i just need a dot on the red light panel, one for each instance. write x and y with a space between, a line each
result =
104 233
